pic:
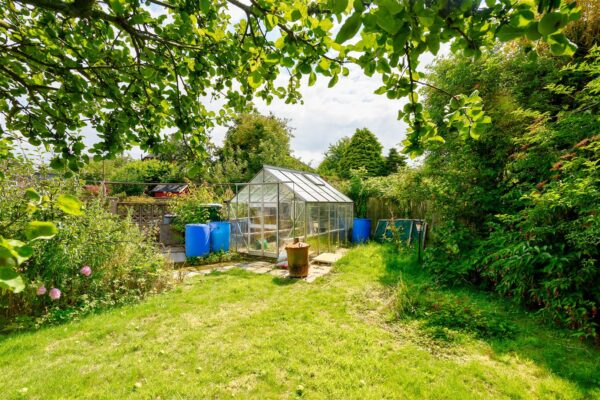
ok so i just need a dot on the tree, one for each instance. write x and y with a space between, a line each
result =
364 151
144 171
330 166
131 68
253 141
394 161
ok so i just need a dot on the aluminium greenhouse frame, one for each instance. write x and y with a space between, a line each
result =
279 204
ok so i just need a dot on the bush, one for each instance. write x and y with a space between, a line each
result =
144 171
214 258
192 208
519 207
125 266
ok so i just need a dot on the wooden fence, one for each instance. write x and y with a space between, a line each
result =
381 208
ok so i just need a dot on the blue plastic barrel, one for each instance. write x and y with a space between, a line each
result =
220 233
361 230
197 240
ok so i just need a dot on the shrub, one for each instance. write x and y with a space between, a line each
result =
213 258
192 208
125 265
519 207
144 171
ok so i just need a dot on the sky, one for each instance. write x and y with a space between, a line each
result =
329 114
326 114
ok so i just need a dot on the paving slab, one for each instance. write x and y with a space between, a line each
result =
327 258
259 270
261 267
176 257
280 273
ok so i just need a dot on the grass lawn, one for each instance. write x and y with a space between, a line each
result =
238 334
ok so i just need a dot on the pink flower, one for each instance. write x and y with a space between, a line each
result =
41 290
54 293
86 270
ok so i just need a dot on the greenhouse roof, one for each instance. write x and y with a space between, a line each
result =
306 186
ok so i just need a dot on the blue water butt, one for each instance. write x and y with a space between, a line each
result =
219 236
197 240
361 230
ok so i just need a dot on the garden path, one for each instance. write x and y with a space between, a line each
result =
257 267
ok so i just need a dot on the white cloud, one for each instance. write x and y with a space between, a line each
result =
330 114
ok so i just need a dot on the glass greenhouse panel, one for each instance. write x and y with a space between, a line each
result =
280 204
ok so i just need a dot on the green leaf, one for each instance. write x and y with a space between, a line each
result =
69 204
326 24
550 23
333 81
117 6
40 230
433 43
338 6
11 280
436 138
33 196
426 20
350 28
522 18
381 90
532 32
205 6
387 22
392 6
312 78
13 252
358 5
255 79
279 43
508 33
57 163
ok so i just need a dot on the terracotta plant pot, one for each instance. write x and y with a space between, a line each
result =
297 254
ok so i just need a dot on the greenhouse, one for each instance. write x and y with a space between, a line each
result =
280 204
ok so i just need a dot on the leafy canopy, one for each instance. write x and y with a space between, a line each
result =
364 151
132 68
251 142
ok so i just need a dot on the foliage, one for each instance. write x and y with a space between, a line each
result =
27 216
251 326
363 151
406 191
192 207
149 171
213 258
103 170
253 141
123 263
358 192
519 207
331 164
393 162
148 64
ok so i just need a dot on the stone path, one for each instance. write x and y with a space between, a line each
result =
259 267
